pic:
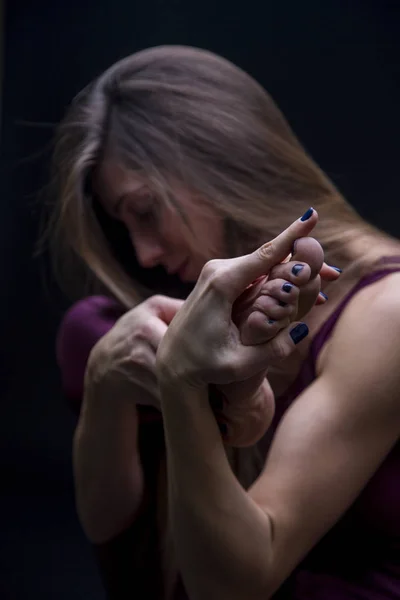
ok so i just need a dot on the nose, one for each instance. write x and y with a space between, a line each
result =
148 249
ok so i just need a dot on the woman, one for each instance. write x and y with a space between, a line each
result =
171 158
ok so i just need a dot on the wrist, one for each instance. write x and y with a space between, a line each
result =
104 408
171 384
172 381
179 395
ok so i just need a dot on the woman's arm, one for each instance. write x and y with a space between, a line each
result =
119 370
222 537
107 469
235 545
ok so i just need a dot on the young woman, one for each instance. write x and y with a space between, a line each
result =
169 159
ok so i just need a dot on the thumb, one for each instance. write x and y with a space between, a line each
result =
244 270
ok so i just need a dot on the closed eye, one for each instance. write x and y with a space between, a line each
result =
143 209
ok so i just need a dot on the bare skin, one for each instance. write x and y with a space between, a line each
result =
105 515
328 445
109 406
157 236
121 373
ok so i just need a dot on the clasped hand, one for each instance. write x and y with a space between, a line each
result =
205 344
221 334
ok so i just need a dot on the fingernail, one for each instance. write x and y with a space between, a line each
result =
297 268
299 332
271 321
307 214
287 287
281 303
336 269
223 428
323 295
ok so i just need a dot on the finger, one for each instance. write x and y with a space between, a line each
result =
329 273
279 289
308 250
321 299
163 307
302 270
309 294
276 300
153 331
259 328
242 271
250 360
296 272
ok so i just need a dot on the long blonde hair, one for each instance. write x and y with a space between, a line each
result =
183 114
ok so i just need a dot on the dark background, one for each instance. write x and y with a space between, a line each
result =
332 66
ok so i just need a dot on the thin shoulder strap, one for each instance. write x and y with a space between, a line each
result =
386 266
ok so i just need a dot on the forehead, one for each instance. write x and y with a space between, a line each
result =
112 180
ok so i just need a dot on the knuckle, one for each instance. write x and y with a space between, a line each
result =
232 371
154 301
210 269
261 305
256 321
140 358
279 349
228 367
267 250
143 330
213 274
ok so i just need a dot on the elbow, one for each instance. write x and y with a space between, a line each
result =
100 528
105 516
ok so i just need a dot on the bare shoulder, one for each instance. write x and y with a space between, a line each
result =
364 351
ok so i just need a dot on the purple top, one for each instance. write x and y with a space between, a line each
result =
81 328
359 558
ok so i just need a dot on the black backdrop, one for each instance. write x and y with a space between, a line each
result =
333 67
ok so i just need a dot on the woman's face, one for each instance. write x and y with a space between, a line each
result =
156 231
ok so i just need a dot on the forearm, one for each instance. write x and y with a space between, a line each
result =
108 474
222 537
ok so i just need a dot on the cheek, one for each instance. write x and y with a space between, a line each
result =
171 231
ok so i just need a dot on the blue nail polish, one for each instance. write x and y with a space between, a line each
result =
307 214
323 295
223 428
336 269
271 321
297 268
281 303
287 287
299 332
